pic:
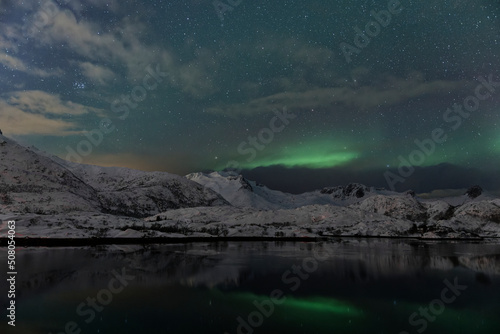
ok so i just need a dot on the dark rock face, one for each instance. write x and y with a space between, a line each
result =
244 183
351 190
354 189
410 193
327 191
474 191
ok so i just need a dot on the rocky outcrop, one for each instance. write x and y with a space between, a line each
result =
484 211
352 190
474 191
401 207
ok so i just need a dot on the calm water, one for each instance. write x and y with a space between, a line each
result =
345 286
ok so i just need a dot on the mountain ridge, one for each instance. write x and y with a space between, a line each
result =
53 198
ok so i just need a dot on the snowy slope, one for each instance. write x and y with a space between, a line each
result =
34 182
30 182
248 194
244 193
140 194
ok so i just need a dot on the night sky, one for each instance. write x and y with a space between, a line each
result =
295 94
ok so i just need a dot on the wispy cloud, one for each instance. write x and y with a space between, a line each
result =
17 64
178 164
98 74
40 113
14 121
122 46
90 40
39 102
364 98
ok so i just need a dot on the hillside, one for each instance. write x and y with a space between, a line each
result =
32 182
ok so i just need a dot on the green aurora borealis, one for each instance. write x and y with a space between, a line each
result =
311 155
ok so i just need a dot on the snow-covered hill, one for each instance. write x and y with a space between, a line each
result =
34 182
30 182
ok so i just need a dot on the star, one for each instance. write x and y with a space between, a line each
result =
79 85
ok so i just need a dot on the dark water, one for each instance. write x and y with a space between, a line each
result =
345 286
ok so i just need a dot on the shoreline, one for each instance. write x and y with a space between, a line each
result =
62 242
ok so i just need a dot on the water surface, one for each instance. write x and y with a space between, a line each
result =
343 286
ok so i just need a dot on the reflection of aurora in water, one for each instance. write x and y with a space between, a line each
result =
281 311
318 304
337 315
290 304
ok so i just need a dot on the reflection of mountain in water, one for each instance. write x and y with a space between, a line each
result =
233 264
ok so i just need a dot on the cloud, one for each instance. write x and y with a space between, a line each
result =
17 64
15 121
40 113
4 41
196 77
176 163
364 98
50 26
98 74
124 46
88 39
121 45
128 160
39 102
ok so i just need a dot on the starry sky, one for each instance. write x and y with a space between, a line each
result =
295 94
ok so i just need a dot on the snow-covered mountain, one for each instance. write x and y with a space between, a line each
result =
34 182
353 209
243 193
50 197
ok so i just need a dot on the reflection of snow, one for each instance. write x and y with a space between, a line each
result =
234 263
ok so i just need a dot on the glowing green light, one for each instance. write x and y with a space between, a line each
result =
322 154
312 304
318 304
306 159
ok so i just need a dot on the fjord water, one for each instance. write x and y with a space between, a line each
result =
341 286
